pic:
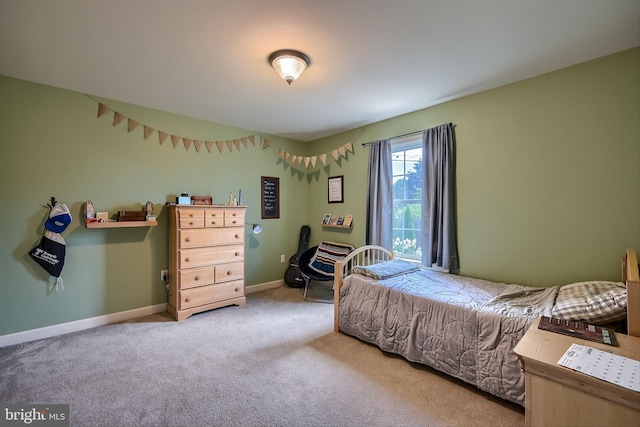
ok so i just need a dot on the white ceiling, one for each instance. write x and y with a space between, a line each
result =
370 59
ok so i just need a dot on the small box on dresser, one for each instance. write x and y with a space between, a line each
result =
206 258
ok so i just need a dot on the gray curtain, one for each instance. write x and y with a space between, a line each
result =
380 195
440 248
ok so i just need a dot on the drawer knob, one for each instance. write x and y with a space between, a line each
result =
237 237
187 299
228 273
234 222
187 259
190 215
196 278
190 222
188 239
237 254
237 289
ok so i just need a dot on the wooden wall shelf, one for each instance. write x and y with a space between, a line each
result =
121 224
337 226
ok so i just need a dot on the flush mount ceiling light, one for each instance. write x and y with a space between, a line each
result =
289 63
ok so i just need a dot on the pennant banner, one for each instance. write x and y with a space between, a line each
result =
133 124
238 144
102 109
162 137
148 131
117 118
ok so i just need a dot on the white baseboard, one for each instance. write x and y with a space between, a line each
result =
123 316
79 325
264 286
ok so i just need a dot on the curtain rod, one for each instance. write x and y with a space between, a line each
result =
366 144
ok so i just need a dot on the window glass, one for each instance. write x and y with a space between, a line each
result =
407 196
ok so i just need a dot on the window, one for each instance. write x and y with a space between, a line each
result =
406 153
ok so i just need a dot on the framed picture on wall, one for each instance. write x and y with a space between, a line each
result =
270 189
336 188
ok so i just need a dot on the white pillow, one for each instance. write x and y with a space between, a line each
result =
592 302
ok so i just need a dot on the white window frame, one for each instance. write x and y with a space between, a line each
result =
402 144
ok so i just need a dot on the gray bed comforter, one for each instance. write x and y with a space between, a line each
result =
461 326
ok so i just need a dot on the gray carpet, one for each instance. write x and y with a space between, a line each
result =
274 362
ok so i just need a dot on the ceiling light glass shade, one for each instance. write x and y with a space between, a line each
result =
289 63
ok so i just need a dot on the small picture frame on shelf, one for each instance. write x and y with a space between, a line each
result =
340 220
348 219
326 218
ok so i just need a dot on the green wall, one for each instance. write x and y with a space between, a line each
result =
548 182
548 174
53 144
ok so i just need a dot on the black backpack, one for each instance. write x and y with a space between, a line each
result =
292 276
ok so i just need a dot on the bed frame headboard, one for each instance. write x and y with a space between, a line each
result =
364 255
631 277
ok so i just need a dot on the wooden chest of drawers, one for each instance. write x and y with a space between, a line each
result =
206 258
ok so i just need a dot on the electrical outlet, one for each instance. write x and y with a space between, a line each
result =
164 275
282 258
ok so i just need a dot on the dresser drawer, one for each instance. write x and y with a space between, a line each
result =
192 277
198 257
214 217
191 218
211 293
210 237
234 218
226 272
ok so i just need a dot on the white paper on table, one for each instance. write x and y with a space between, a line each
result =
603 365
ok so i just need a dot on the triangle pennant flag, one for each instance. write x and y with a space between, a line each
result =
229 145
162 137
313 160
117 118
187 143
342 151
175 140
197 144
253 140
148 131
266 144
244 142
286 156
349 146
299 160
102 109
293 159
306 161
132 125
236 142
209 145
323 157
335 154
220 145
280 153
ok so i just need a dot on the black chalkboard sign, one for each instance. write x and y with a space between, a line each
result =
270 197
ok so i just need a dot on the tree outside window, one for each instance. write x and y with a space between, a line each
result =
407 198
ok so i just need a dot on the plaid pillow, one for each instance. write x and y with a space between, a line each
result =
591 302
326 256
